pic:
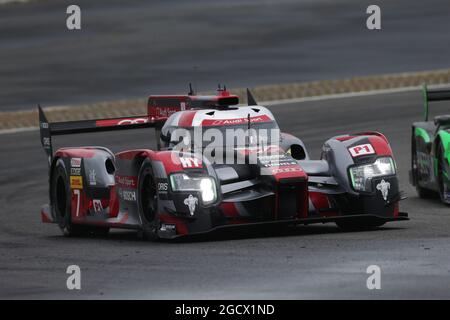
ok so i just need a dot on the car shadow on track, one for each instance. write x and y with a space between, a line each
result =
430 202
254 233
241 233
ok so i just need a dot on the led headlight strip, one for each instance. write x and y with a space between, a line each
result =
362 175
205 185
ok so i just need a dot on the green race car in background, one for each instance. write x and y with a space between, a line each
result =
430 150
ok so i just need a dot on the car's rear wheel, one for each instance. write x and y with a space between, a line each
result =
442 175
61 204
148 201
61 201
349 225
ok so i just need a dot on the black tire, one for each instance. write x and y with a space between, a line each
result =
443 188
61 204
61 201
421 192
349 225
148 201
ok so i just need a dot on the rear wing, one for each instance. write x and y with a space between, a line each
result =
159 109
433 95
47 129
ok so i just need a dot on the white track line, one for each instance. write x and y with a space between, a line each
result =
287 101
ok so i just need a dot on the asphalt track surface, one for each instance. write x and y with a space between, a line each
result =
307 262
158 47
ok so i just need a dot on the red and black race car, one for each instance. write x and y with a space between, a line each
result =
216 165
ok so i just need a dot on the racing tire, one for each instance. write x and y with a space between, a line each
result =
148 201
442 186
358 225
421 192
60 198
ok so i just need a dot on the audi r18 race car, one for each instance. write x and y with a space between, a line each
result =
259 176
430 150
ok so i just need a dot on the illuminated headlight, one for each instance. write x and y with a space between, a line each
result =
205 185
362 175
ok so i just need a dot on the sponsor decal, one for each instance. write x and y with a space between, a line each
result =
163 186
284 170
167 227
120 122
46 142
384 187
168 111
361 150
44 125
75 171
127 195
191 202
276 161
132 121
237 121
126 182
75 162
190 162
92 177
97 204
76 182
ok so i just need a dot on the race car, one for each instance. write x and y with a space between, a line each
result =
186 186
430 150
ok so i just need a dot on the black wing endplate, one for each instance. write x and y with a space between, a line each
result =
433 95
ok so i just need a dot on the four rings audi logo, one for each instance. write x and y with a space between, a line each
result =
132 121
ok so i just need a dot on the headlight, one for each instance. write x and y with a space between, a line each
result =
362 175
205 185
